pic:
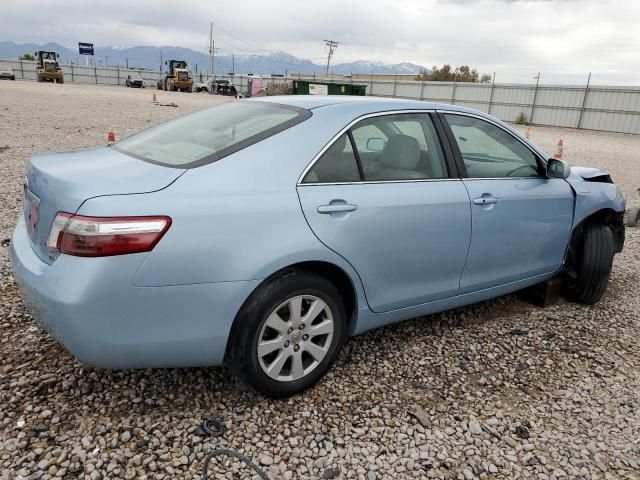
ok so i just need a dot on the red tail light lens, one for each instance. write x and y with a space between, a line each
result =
103 236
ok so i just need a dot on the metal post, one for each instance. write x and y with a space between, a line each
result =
493 86
535 95
72 77
395 85
453 92
422 91
118 75
584 101
95 72
21 71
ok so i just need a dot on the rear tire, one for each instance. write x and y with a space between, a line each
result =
590 265
303 353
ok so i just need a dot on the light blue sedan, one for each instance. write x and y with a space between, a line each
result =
262 233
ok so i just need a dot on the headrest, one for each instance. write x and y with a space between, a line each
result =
401 152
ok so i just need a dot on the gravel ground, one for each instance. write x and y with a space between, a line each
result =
500 390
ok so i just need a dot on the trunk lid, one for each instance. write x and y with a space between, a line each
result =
63 181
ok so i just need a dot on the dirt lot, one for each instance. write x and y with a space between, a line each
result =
499 390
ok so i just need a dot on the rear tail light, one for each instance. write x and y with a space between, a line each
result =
103 236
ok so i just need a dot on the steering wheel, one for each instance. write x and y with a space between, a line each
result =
512 173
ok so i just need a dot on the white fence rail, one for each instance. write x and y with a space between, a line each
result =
607 108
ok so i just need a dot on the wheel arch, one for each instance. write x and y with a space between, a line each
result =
332 272
605 216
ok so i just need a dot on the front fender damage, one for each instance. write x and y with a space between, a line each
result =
598 199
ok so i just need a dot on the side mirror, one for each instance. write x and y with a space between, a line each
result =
375 144
557 168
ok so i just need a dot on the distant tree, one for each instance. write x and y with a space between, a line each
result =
446 73
27 56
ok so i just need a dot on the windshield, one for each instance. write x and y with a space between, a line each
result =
209 135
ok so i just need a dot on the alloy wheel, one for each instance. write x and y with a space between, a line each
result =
295 338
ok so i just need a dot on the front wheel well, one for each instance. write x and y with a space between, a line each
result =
614 220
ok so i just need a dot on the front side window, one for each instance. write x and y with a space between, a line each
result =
490 152
209 135
399 147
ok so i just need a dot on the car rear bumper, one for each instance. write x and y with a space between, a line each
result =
92 308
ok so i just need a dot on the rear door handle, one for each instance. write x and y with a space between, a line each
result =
337 208
485 200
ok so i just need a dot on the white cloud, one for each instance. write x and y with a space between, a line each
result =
564 39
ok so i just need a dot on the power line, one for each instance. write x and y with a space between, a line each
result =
256 47
244 41
332 44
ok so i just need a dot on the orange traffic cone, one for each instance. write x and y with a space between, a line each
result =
528 135
153 98
111 137
558 154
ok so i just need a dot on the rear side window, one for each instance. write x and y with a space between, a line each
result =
337 164
209 135
399 147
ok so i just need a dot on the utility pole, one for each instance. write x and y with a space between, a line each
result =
233 64
160 60
332 44
211 48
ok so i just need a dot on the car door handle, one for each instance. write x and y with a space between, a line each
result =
485 200
337 208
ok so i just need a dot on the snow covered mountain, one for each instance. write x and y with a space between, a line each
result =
264 64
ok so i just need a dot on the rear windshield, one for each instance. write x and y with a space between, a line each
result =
209 135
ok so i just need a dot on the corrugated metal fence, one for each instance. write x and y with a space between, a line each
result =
607 108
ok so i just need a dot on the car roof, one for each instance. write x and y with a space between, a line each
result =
377 104
348 107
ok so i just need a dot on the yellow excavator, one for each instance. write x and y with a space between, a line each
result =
178 77
47 68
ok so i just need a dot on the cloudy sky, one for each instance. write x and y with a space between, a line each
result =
564 39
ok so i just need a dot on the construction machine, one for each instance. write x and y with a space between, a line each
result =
178 77
48 69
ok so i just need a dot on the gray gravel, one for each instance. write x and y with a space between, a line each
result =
498 390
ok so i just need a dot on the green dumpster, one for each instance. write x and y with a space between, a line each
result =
311 87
